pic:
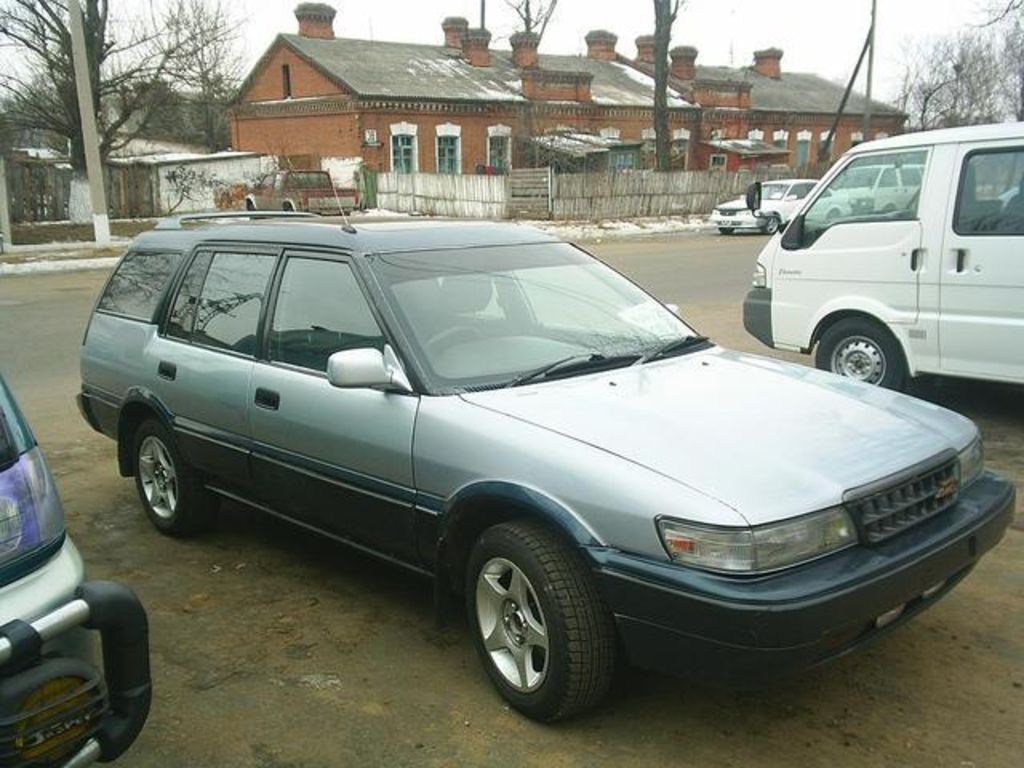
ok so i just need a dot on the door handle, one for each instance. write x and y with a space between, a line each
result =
268 399
166 370
961 258
915 258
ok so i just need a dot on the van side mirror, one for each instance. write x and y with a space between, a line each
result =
754 196
793 237
367 368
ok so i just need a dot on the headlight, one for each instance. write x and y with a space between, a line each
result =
30 512
764 548
972 462
760 276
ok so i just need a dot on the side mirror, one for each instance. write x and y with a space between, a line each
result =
367 368
754 196
793 237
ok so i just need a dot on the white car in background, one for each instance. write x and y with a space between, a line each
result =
780 200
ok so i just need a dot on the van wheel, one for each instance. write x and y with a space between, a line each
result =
725 230
288 207
771 225
538 623
864 350
250 205
174 499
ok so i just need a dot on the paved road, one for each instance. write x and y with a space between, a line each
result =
274 649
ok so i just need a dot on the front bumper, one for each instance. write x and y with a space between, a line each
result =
743 632
744 220
757 314
56 709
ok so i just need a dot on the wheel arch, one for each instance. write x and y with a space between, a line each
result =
139 404
835 316
478 506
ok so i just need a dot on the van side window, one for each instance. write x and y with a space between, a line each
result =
135 288
230 303
991 196
868 189
320 310
183 314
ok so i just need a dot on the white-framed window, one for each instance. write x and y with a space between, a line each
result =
822 138
803 148
780 138
499 147
717 162
682 134
856 138
648 134
448 148
680 148
755 134
610 133
370 137
716 134
404 152
881 135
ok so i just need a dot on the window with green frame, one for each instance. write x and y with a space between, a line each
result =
448 154
403 153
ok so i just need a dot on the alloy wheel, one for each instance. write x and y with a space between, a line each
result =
158 477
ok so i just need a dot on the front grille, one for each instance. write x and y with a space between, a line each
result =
882 513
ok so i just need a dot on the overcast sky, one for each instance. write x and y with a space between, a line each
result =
823 36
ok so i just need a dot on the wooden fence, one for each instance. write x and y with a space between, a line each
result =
434 194
597 196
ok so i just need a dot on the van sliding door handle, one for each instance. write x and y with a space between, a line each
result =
915 259
961 258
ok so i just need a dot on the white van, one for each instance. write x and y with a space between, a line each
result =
889 286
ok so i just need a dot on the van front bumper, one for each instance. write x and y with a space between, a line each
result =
757 314
744 631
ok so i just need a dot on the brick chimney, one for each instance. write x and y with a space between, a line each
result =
645 49
601 45
475 47
684 62
556 85
316 20
524 49
455 28
769 62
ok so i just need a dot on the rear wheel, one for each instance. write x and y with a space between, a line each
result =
288 206
250 205
862 349
174 499
725 230
538 623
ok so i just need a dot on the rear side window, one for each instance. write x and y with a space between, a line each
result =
135 288
228 312
183 313
991 196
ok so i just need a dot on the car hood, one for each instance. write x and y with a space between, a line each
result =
770 439
738 203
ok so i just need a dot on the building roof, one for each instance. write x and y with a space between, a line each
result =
580 144
416 71
747 147
793 91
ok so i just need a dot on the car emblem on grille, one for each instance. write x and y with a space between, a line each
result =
947 488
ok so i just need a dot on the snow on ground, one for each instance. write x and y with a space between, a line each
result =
55 262
607 230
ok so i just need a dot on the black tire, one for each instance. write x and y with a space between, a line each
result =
193 506
771 225
580 658
288 207
856 343
250 205
725 230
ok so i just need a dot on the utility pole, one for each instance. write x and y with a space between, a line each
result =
90 137
5 211
871 71
483 14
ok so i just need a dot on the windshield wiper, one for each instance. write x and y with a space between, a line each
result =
574 364
676 347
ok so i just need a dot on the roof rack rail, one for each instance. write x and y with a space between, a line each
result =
176 222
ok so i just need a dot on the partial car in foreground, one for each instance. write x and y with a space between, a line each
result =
58 707
498 411
780 200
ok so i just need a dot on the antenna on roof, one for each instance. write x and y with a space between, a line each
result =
347 226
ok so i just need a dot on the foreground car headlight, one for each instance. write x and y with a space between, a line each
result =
971 461
760 276
30 512
764 548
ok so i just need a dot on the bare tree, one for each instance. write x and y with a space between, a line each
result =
534 14
1000 10
130 62
1011 56
949 82
665 13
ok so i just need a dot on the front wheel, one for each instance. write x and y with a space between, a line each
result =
862 349
174 499
538 623
771 225
725 230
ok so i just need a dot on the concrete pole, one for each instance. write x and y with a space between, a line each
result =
871 72
5 211
90 137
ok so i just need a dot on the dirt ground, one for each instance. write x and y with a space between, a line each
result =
274 649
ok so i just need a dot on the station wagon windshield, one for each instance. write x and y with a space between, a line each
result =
486 317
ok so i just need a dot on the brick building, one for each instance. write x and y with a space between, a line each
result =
461 107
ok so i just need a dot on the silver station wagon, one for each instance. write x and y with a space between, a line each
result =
501 412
